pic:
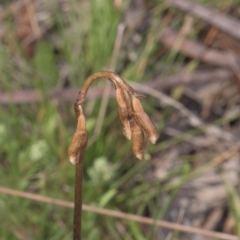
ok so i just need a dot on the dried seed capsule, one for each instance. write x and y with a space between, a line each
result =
77 146
144 121
123 112
79 139
137 139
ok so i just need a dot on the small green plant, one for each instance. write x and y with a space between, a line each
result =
134 121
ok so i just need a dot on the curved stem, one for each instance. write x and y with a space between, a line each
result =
111 76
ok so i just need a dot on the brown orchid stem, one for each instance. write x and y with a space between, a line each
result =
81 130
77 220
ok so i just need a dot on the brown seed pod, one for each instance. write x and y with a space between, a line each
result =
79 139
137 139
144 121
123 112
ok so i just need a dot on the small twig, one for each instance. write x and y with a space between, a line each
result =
117 47
223 22
166 83
121 215
159 83
195 49
179 220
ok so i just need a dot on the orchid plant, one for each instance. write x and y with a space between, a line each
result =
134 121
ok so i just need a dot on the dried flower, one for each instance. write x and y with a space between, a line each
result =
131 114
137 139
80 137
123 111
144 121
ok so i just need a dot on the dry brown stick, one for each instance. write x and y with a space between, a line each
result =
195 49
166 83
189 47
160 83
117 214
223 22
33 96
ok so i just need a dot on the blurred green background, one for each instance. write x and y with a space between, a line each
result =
53 46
